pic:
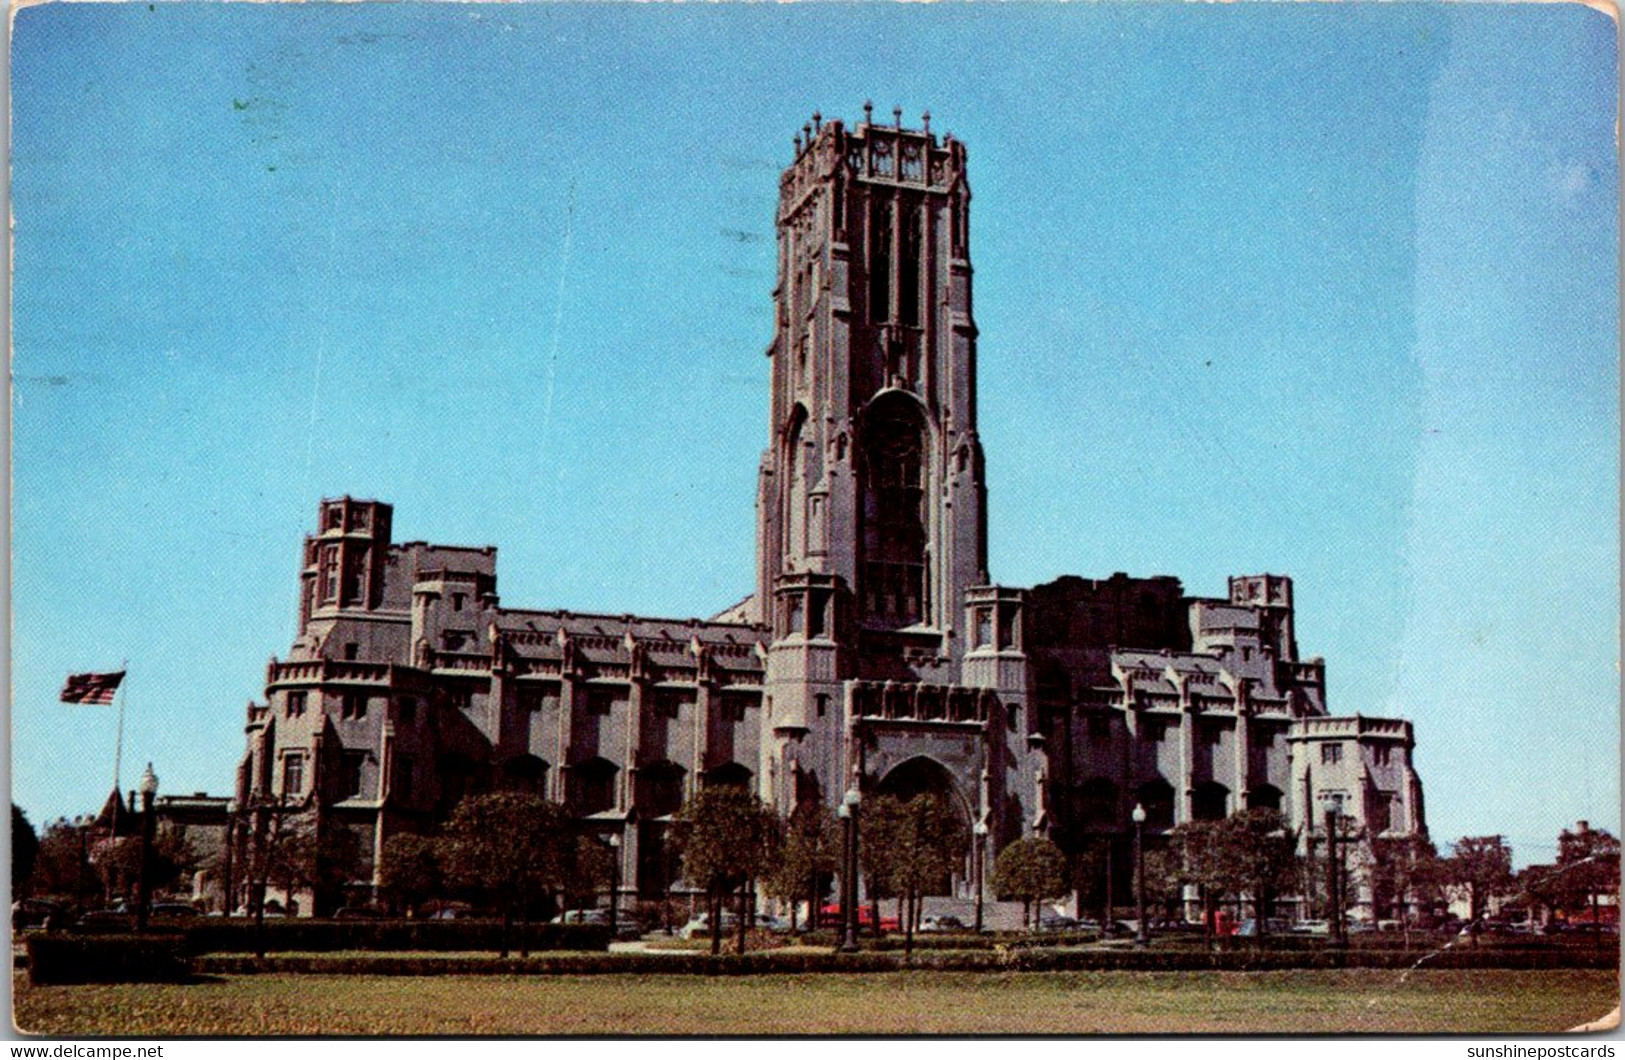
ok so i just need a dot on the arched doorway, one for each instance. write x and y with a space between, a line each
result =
923 776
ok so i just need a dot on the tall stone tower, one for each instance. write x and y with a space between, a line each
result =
872 507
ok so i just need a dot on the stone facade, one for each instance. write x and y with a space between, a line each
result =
875 652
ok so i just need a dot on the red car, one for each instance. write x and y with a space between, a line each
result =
830 916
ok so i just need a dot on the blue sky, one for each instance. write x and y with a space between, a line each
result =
1325 290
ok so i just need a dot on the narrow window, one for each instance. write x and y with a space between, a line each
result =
351 650
1331 753
328 579
908 281
295 704
293 773
401 782
822 701
880 262
350 776
456 601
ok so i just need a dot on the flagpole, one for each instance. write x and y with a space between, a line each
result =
118 745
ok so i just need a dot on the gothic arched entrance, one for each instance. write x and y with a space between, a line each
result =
922 775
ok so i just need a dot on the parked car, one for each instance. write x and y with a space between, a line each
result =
942 923
776 924
1312 927
582 916
1048 921
31 912
831 915
173 909
700 926
358 912
1274 926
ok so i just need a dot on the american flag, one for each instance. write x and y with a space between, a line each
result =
92 688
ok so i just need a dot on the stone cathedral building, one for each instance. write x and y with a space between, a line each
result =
876 651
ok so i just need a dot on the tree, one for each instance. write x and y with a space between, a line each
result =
1405 870
1482 866
913 846
62 866
118 863
1202 854
727 837
24 850
412 872
1588 859
807 857
1031 871
507 847
1165 880
588 866
1254 853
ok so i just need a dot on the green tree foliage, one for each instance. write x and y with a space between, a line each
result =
1203 856
1588 860
1405 874
1030 871
62 867
411 873
1253 852
1165 880
727 837
914 848
118 863
588 868
507 848
1482 866
24 850
808 856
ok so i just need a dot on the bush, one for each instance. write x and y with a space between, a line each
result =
238 935
1028 959
60 959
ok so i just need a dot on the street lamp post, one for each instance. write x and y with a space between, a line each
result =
1142 933
1333 802
978 864
849 875
229 857
614 883
149 788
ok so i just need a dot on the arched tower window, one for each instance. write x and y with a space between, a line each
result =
795 492
894 527
880 261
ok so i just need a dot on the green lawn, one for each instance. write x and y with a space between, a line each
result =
1305 1002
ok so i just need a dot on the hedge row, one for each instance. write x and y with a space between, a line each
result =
59 959
781 963
320 936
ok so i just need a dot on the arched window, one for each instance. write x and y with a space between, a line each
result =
1265 797
660 789
590 787
795 489
525 773
894 536
1210 801
1097 804
728 775
1157 797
